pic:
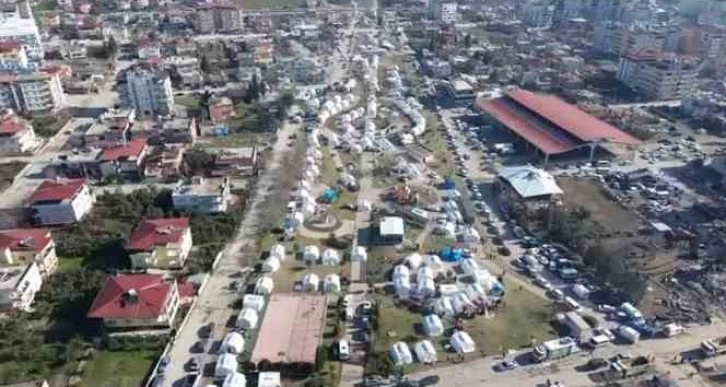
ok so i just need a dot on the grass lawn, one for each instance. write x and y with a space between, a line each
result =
435 242
238 140
69 264
433 139
187 100
118 368
329 175
380 260
274 4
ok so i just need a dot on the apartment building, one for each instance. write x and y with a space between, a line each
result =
705 42
202 196
136 301
186 68
148 91
16 135
13 56
659 76
27 245
18 286
17 24
34 92
160 243
58 201
219 17
448 13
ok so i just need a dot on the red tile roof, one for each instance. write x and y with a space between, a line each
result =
25 239
11 125
114 301
10 45
157 232
571 119
133 149
57 190
546 139
187 290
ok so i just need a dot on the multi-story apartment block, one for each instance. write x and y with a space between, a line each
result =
448 13
16 135
18 286
201 196
659 76
187 69
619 39
219 17
13 56
17 24
35 92
27 245
149 92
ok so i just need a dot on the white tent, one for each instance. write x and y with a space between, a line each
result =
233 342
364 205
247 319
278 251
401 271
468 266
448 290
264 285
414 260
470 235
433 325
451 206
434 262
462 342
425 272
347 179
297 216
308 209
331 257
311 254
310 282
226 364
331 283
358 254
447 229
253 301
235 380
443 307
271 265
475 291
461 302
425 352
400 354
486 279
425 287
402 285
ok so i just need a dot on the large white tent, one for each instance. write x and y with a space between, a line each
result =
462 342
443 307
425 352
425 272
400 271
271 265
400 354
278 251
402 285
235 380
414 261
358 254
233 342
311 254
310 282
461 302
264 285
331 283
253 301
468 266
433 325
434 262
425 287
247 319
226 364
331 257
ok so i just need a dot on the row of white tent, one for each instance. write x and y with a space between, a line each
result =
331 283
425 351
411 108
226 369
329 257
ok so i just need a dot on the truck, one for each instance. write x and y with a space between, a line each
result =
714 347
555 349
629 334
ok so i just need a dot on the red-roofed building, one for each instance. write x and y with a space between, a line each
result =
136 301
13 55
61 201
124 160
160 243
550 125
27 245
16 135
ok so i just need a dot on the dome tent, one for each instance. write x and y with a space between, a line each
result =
400 354
462 342
247 319
226 364
233 343
264 285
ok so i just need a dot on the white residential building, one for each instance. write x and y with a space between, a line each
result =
16 136
23 246
18 286
18 24
448 13
219 18
37 92
202 196
659 76
149 92
61 201
187 68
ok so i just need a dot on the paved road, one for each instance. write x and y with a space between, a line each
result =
213 302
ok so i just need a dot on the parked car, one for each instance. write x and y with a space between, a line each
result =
556 294
507 365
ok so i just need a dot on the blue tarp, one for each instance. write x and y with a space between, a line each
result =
449 254
330 195
449 184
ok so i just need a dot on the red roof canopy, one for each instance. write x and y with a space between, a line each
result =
25 239
114 299
571 119
11 125
133 149
57 190
157 232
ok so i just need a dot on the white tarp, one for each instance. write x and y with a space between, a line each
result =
425 352
233 342
462 342
433 325
400 354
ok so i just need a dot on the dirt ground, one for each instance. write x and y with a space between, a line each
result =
605 212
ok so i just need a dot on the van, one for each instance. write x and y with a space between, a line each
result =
572 304
343 350
599 341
